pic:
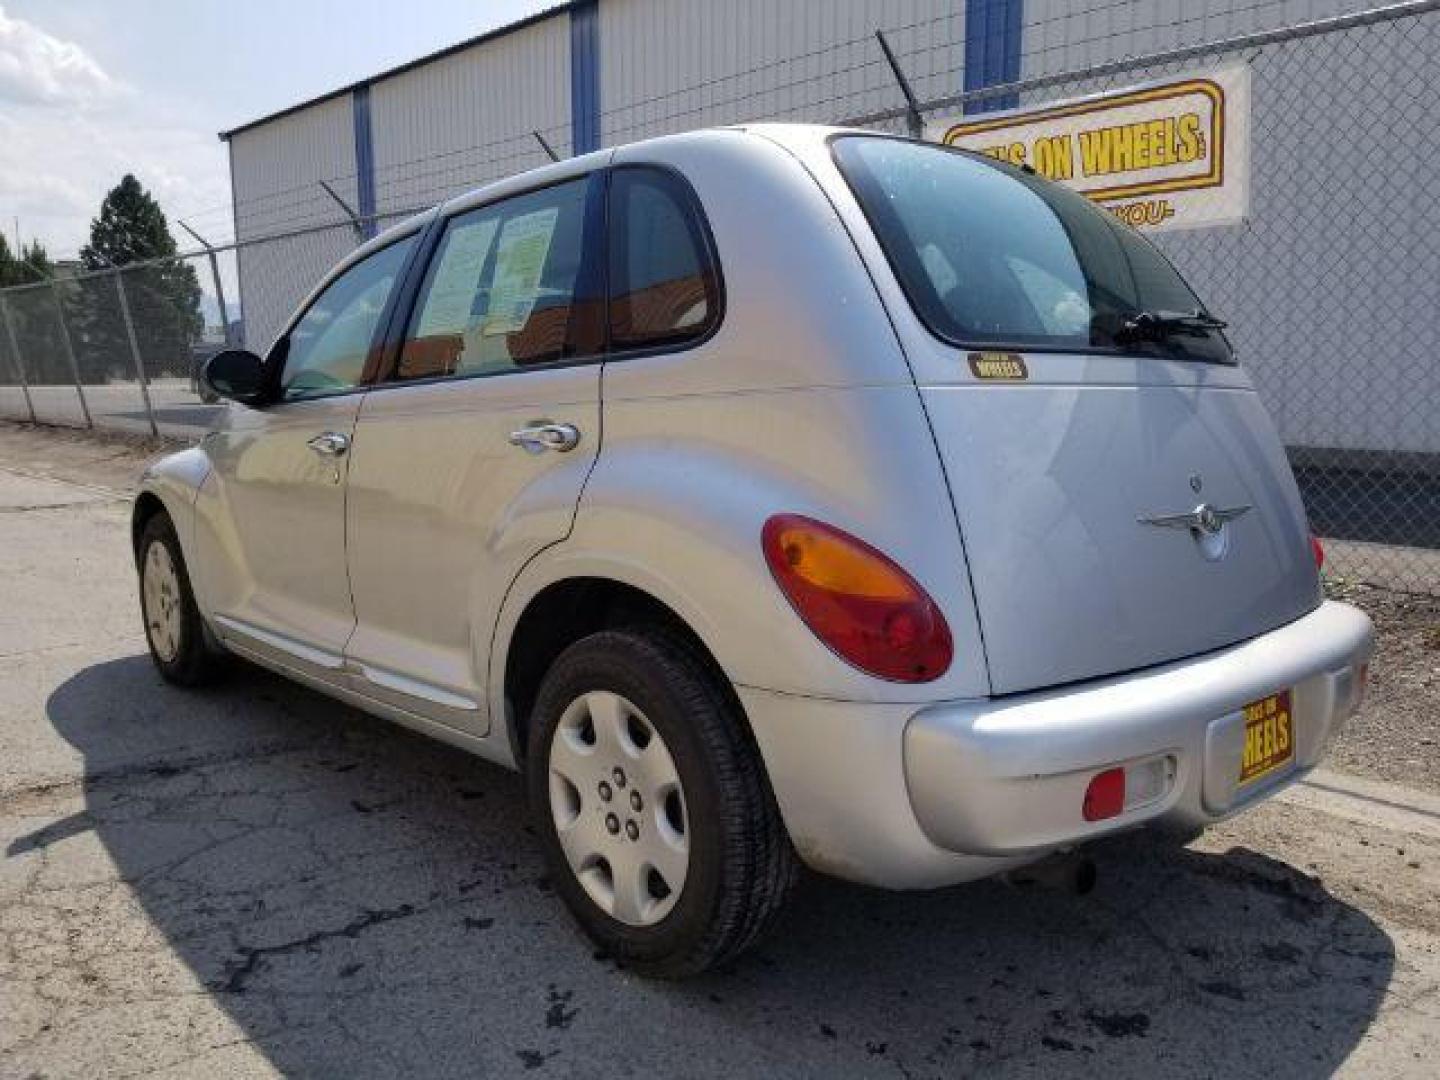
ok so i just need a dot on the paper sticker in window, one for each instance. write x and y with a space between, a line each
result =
519 261
451 298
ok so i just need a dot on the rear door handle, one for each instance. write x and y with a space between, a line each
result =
329 444
542 435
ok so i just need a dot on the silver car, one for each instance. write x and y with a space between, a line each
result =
770 496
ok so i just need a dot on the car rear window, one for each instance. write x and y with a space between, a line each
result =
990 255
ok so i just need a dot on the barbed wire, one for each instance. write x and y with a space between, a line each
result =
1364 77
314 208
559 131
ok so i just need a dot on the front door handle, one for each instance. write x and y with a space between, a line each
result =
329 444
542 435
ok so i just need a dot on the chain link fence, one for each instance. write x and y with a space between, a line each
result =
1330 285
1332 282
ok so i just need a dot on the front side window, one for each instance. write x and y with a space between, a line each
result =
989 254
504 289
327 349
664 289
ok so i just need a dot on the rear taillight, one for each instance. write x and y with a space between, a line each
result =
1318 551
857 601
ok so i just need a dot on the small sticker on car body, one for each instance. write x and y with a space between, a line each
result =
1006 367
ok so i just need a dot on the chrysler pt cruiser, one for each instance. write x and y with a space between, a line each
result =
770 496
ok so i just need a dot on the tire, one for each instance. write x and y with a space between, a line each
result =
173 628
739 867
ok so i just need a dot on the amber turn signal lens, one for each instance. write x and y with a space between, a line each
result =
857 601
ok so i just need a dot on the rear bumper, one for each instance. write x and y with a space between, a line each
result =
907 799
1007 776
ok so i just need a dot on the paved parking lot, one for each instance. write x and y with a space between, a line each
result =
256 881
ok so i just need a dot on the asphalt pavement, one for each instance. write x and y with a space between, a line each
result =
255 880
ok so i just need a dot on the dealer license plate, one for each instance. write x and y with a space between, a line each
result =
1269 737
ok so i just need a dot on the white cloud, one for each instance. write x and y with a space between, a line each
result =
70 131
38 68
56 169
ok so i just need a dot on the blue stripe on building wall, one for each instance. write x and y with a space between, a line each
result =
993 32
584 77
364 160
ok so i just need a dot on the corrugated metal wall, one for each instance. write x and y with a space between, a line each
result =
1066 35
691 63
464 119
275 168
461 119
1304 193
1336 243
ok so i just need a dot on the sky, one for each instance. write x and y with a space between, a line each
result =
93 89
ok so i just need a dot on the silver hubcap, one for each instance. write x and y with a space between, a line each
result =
161 593
619 808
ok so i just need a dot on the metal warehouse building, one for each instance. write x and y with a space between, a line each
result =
595 73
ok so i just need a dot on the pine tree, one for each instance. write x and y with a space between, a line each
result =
32 264
131 228
31 313
163 292
36 261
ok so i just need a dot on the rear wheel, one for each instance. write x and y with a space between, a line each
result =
651 801
173 627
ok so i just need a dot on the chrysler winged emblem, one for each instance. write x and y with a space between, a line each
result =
1205 519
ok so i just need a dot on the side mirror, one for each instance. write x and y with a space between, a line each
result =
237 374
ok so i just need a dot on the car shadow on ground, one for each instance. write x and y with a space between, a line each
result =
360 901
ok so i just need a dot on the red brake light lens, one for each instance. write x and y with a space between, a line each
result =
1105 797
1318 551
857 601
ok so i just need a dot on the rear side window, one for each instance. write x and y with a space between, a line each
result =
505 289
991 255
664 288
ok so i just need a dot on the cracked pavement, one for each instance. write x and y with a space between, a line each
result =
255 880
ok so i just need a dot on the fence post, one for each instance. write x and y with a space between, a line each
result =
220 296
914 122
550 150
219 285
15 352
70 353
355 221
135 351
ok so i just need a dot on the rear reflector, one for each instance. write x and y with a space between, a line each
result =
1318 551
1105 797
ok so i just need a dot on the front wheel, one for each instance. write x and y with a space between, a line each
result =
649 795
173 626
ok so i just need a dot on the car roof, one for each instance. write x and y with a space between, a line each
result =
793 136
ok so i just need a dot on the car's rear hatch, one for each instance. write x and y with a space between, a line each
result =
1123 497
1051 483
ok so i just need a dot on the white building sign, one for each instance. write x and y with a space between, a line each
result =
1173 154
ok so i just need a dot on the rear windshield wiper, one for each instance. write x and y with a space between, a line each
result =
1157 325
